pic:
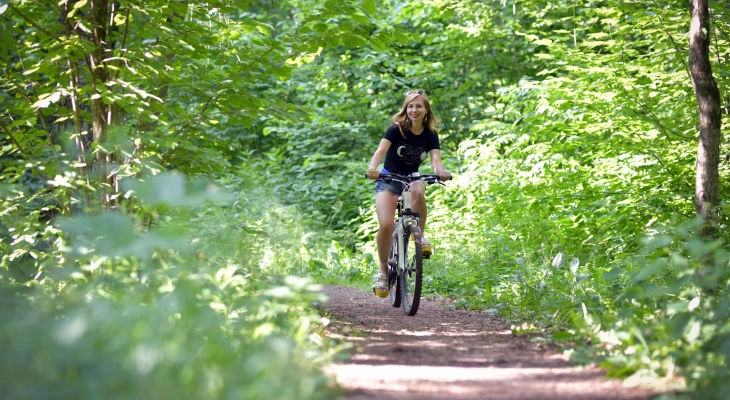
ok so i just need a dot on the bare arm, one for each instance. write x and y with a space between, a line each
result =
379 153
438 168
378 157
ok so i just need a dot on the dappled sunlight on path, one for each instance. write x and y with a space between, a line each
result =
454 354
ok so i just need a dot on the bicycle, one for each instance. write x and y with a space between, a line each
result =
405 272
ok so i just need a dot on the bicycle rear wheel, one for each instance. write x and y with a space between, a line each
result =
393 279
412 276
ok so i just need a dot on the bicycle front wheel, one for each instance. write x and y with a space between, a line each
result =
412 276
393 279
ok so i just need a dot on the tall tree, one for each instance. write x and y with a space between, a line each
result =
708 98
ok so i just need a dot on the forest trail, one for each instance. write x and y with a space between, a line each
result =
451 354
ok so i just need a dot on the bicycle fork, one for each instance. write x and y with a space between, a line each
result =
407 218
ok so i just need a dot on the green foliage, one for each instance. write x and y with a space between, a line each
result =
670 316
204 294
128 316
183 342
570 127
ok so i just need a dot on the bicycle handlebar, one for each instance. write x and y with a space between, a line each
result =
428 178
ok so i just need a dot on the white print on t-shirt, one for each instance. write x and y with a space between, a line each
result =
412 156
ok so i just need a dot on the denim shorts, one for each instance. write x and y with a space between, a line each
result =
393 187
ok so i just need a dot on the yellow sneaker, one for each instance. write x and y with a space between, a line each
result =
380 287
426 249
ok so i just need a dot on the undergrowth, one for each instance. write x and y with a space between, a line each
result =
651 308
202 303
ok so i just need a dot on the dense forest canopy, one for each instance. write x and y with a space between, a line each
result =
200 164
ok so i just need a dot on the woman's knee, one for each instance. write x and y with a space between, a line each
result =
418 189
387 225
418 194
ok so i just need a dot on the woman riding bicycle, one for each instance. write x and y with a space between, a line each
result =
405 145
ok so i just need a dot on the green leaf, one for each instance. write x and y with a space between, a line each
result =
172 190
281 292
562 336
30 71
613 274
84 27
46 100
677 307
360 19
193 38
178 7
369 6
355 40
121 19
186 45
113 234
235 34
264 29
400 37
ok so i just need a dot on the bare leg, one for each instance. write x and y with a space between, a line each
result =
419 204
385 204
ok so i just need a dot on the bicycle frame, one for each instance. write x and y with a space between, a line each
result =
405 261
406 217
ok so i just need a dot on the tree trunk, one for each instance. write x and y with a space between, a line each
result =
99 78
98 70
708 99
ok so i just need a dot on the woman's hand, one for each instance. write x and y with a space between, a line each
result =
438 169
373 174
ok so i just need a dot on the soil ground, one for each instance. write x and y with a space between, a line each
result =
451 354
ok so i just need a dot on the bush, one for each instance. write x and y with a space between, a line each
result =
193 305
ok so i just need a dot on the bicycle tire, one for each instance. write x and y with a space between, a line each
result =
411 278
393 279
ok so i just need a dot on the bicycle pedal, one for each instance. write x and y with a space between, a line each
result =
426 251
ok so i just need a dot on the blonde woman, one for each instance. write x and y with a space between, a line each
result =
405 145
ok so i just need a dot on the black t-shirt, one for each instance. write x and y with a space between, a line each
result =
405 155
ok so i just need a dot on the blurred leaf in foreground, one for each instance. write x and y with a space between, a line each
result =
171 189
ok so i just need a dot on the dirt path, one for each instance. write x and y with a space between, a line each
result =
451 354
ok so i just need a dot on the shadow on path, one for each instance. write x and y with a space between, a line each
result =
451 354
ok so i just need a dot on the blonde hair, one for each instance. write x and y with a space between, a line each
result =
404 123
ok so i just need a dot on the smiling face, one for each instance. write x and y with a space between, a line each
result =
416 110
